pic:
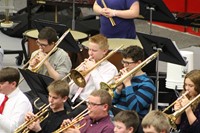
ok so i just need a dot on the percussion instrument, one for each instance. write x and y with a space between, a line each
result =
32 36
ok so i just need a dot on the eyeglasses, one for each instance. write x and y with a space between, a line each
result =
93 104
42 45
126 62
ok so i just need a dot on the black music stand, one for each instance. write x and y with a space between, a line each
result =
155 10
38 83
168 52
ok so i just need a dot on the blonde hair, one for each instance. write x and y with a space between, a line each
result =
158 120
101 40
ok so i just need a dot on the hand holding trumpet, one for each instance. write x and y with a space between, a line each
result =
73 129
34 126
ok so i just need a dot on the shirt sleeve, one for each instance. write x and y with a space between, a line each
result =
16 118
103 74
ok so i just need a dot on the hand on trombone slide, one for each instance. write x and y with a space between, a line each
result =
86 64
126 81
37 59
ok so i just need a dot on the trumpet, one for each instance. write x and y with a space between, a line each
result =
184 94
111 86
41 115
79 77
172 117
74 121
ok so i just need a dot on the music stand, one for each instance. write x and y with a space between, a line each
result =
68 44
38 83
168 52
155 10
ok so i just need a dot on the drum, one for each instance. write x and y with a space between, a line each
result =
32 36
114 43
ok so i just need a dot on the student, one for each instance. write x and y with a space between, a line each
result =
155 122
126 122
58 63
58 94
137 90
189 121
97 50
13 103
98 120
56 66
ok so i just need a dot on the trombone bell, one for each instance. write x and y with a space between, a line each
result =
78 78
106 87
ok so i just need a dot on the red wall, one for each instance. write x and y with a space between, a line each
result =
191 6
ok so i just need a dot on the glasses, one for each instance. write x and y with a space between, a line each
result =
42 45
94 104
126 62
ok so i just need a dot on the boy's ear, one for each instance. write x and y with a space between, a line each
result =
131 130
65 99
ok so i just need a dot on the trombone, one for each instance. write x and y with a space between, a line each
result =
41 115
172 117
78 77
109 87
74 121
184 94
38 66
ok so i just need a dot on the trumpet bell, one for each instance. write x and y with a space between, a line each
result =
106 87
78 78
172 120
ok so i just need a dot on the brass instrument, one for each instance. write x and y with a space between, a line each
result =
175 101
172 117
41 115
74 121
111 19
80 81
78 77
111 86
37 67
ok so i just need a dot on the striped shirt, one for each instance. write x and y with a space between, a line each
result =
139 96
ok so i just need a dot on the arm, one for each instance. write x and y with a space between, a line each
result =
130 13
103 73
139 95
14 115
58 65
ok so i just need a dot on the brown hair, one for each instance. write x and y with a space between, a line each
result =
48 34
60 87
194 76
158 120
9 74
130 119
105 97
